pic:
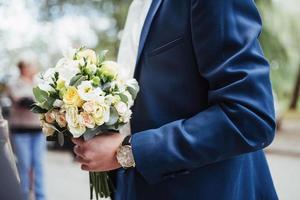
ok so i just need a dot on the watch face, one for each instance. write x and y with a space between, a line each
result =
125 156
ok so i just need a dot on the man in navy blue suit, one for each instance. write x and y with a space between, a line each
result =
205 108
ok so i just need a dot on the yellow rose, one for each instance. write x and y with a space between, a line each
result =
101 114
71 97
88 54
73 121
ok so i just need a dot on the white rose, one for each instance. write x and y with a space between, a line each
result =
74 125
88 54
80 62
109 69
87 92
67 69
72 115
58 103
44 82
121 108
109 99
126 117
91 68
77 130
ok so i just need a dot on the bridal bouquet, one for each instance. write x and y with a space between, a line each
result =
82 96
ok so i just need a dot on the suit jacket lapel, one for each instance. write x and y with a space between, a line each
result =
146 28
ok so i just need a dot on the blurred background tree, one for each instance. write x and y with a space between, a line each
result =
279 41
115 10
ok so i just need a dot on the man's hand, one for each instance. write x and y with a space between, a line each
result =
99 153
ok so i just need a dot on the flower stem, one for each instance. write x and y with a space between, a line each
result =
101 184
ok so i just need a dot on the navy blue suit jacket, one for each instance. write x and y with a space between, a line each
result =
205 109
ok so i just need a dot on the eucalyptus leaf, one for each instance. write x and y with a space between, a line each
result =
133 91
106 86
102 55
133 88
75 79
82 78
114 116
40 95
61 138
37 109
48 104
115 127
124 98
89 134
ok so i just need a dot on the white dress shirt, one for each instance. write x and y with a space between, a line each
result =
129 45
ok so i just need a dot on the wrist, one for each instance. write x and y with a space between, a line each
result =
124 154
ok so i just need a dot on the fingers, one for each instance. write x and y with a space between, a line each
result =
82 160
79 148
86 163
86 168
79 151
78 141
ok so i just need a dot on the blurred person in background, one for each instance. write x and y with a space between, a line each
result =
28 140
10 185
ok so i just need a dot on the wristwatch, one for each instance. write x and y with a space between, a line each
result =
124 153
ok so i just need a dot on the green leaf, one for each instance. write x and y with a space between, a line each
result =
79 80
102 56
48 104
54 95
106 87
114 116
40 95
133 92
133 88
124 98
61 138
90 133
37 109
74 79
56 76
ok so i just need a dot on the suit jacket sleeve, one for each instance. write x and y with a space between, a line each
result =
240 118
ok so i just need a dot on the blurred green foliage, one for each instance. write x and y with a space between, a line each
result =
279 37
113 9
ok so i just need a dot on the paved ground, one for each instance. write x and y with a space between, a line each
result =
284 159
65 180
